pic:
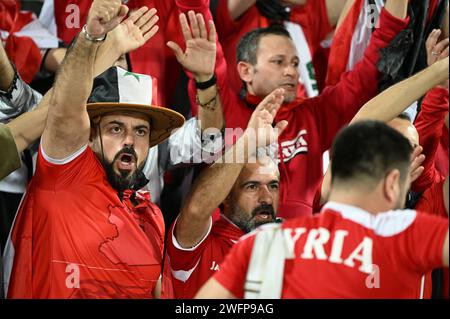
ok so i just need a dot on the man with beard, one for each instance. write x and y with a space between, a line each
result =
84 230
361 245
246 188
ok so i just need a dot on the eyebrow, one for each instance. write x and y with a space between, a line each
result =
259 183
137 127
283 56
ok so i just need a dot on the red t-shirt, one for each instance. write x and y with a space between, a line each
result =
192 267
402 244
313 123
74 238
312 17
432 202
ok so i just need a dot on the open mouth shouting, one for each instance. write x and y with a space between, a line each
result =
126 160
264 214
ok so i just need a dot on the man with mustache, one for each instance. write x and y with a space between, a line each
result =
84 229
245 186
361 245
267 60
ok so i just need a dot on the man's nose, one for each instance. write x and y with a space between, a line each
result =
129 139
265 196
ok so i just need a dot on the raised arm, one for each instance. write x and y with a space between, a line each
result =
215 183
239 7
68 128
395 100
199 59
338 104
334 10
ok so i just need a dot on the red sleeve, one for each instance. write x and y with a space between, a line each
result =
338 104
225 24
432 200
420 246
233 270
429 124
313 17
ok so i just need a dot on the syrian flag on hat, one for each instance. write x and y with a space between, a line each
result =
122 86
118 90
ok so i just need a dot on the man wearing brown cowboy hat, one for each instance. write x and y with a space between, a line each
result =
86 231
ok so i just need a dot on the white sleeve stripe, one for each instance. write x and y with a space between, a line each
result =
178 246
62 161
184 275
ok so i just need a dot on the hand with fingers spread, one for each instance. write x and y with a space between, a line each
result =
199 58
436 50
417 159
104 16
260 124
134 31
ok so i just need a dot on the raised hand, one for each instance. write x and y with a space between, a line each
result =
416 168
436 50
104 16
200 55
134 31
260 124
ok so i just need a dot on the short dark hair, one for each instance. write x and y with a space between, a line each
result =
249 44
366 151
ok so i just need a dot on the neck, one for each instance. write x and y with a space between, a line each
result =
369 201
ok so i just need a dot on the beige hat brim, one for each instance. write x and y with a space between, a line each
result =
162 120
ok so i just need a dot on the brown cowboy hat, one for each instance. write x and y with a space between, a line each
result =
117 90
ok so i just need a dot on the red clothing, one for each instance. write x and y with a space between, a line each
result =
312 17
430 126
441 160
347 36
313 123
191 268
74 238
432 202
402 244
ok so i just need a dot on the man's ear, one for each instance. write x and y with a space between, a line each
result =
92 134
245 70
391 186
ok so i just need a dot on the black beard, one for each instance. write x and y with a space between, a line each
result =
250 224
123 181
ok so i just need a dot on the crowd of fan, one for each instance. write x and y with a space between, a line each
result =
145 141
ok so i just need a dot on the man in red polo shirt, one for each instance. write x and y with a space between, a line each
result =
245 185
361 245
308 21
268 60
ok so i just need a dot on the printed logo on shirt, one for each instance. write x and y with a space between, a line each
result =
314 244
214 266
291 148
